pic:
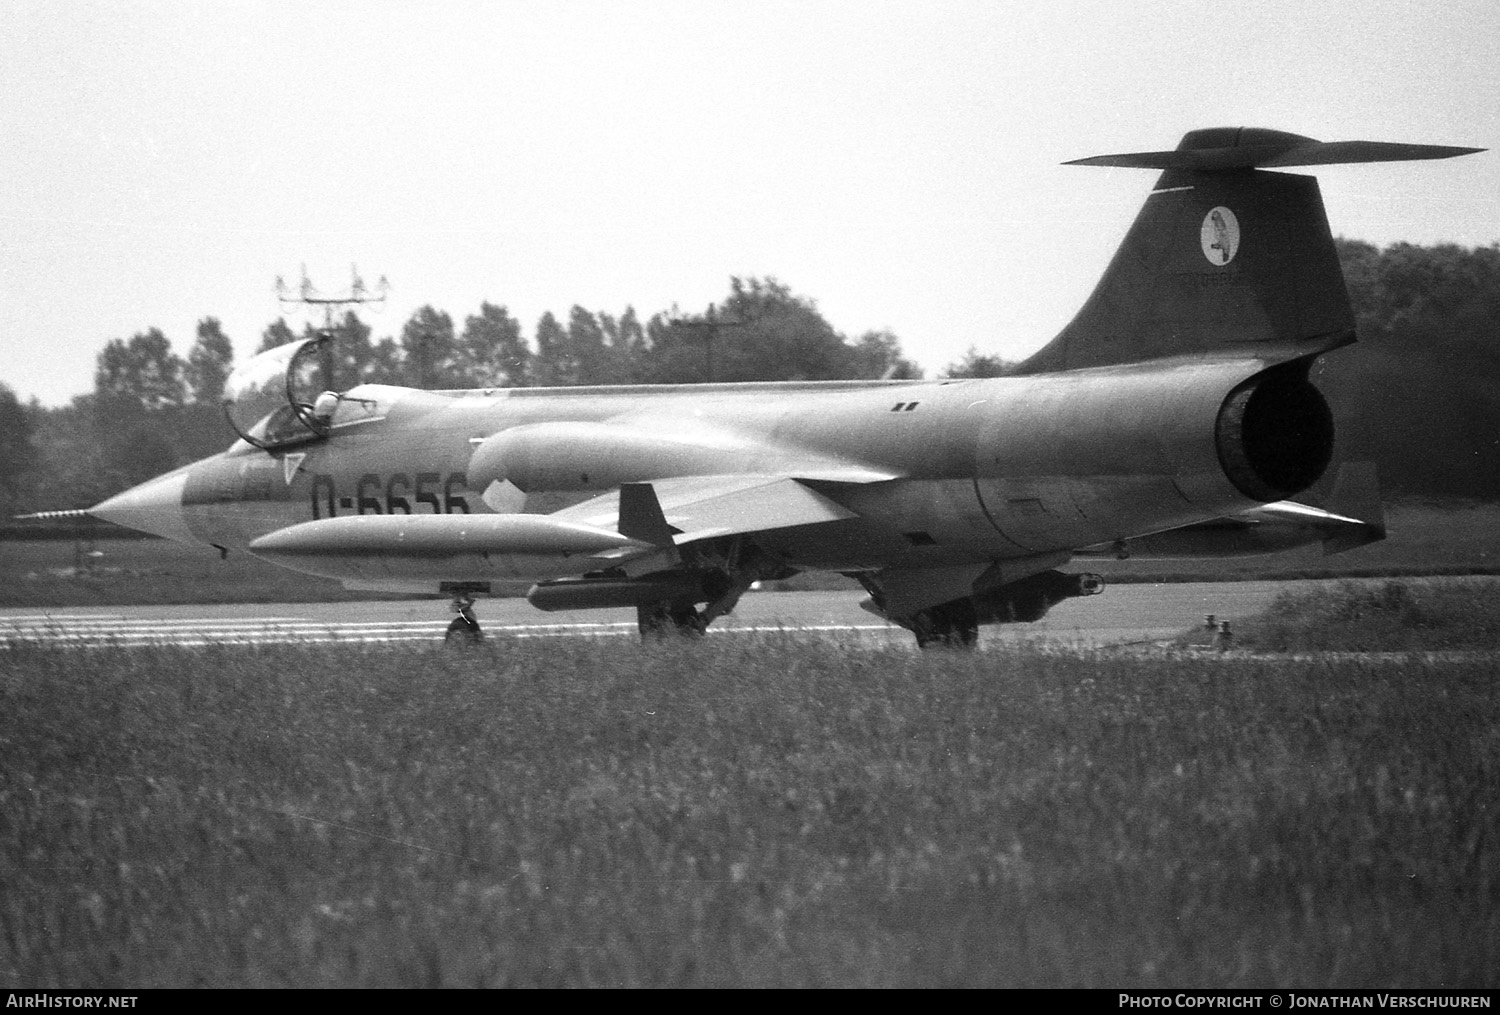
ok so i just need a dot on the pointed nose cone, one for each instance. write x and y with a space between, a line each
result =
155 507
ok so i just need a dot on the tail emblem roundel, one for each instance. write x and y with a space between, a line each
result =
1220 236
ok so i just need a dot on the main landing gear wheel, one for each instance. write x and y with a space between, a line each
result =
463 630
951 625
660 620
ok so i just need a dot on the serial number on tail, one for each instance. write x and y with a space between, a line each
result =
397 494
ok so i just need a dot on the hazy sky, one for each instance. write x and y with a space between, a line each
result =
896 162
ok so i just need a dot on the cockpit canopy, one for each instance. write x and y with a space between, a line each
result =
274 401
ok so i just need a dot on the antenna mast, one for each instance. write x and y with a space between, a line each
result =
309 297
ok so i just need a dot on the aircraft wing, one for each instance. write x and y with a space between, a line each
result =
658 517
700 507
638 525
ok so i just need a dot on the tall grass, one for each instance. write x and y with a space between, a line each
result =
780 811
1395 616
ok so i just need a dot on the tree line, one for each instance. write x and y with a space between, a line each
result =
1418 395
761 331
151 410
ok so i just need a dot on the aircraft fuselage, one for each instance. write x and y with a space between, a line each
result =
936 473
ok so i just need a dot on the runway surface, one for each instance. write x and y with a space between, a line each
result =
1122 614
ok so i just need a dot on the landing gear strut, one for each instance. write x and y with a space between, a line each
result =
463 631
658 620
950 625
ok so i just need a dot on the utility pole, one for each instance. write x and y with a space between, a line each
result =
307 296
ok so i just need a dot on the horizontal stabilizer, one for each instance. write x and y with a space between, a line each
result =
1220 149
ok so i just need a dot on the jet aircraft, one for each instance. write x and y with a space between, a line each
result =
1173 416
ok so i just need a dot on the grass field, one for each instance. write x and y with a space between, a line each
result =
1394 615
134 572
1425 539
779 811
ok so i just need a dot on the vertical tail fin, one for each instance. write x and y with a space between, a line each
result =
1223 256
